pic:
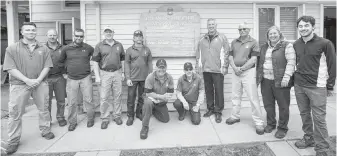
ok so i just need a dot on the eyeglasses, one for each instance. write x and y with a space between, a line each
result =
244 29
79 36
188 69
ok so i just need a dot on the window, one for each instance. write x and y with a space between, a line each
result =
70 5
283 17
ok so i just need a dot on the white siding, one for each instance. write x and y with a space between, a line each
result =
314 10
124 18
42 28
50 11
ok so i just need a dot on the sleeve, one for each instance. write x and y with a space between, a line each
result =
91 50
330 55
201 84
97 56
127 66
255 49
149 61
179 87
63 55
170 87
225 52
9 62
231 49
291 60
148 84
48 61
122 54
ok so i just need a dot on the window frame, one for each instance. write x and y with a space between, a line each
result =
59 27
277 17
65 8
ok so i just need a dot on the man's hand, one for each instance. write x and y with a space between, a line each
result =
167 96
98 79
186 106
237 71
32 82
330 93
129 82
123 76
224 70
195 108
65 76
284 83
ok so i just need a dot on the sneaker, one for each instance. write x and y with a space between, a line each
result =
208 113
90 123
231 121
72 127
118 121
280 133
104 124
129 122
259 129
49 136
144 132
12 149
306 141
269 128
62 123
182 116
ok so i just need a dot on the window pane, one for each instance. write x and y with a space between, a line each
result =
71 3
288 17
266 20
66 34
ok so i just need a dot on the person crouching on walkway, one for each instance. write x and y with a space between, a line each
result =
275 69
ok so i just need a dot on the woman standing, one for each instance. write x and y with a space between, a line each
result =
275 69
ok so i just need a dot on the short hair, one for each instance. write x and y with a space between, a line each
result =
78 30
211 19
309 19
28 23
277 29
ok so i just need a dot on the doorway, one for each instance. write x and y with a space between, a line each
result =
330 24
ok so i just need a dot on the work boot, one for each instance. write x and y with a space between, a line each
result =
218 118
129 122
62 123
231 121
144 132
90 123
208 113
49 136
12 149
182 115
269 128
104 124
321 154
118 121
72 127
280 133
306 141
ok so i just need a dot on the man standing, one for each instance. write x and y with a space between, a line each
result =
212 52
77 55
28 63
138 64
109 59
56 81
190 93
159 88
315 77
242 58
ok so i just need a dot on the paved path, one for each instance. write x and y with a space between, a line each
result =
96 142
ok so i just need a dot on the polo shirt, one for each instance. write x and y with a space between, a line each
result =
29 63
78 60
153 84
138 63
58 69
190 90
242 51
109 57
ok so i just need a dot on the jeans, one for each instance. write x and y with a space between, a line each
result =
246 81
18 98
313 101
58 86
195 116
159 111
132 97
214 91
270 93
111 82
73 87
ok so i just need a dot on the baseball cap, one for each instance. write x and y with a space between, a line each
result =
188 66
108 28
161 63
138 33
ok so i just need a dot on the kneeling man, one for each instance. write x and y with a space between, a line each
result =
159 88
190 93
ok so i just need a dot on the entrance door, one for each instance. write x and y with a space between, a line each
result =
330 24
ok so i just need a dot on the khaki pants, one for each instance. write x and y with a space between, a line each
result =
18 98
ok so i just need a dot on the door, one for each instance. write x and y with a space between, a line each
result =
75 23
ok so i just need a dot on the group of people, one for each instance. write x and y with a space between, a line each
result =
308 64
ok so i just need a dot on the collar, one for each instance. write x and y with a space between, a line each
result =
193 77
76 45
105 42
137 48
269 44
315 37
156 77
248 39
215 34
57 47
37 43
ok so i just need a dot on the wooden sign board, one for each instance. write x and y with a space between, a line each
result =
170 32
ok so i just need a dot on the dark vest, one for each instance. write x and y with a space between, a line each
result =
279 62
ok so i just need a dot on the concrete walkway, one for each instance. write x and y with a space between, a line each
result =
95 141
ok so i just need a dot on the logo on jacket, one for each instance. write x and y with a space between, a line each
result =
83 50
145 52
40 52
117 48
60 51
